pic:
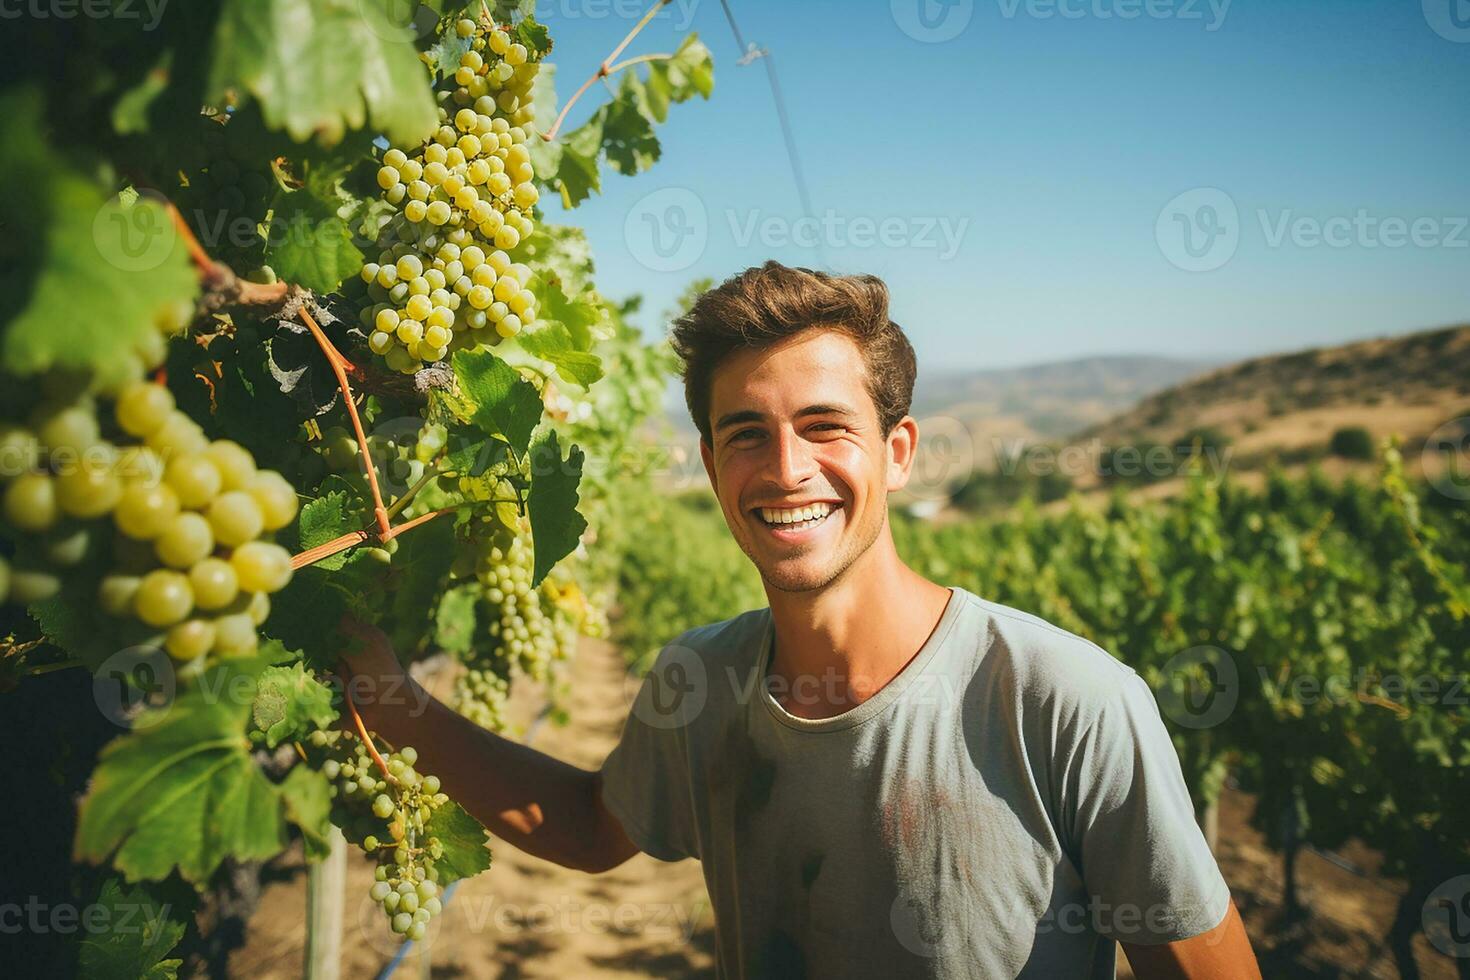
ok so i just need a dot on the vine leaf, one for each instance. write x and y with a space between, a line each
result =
455 619
504 403
553 342
309 244
579 314
308 799
143 935
463 840
556 527
290 703
90 274
323 519
182 790
415 577
282 52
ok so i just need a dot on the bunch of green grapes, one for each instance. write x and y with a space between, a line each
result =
444 279
400 450
481 693
227 191
388 817
186 553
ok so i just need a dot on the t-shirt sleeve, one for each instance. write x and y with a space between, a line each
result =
1143 857
645 780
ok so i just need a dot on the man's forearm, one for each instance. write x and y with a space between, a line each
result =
540 804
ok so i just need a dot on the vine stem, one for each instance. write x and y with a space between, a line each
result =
340 367
604 69
366 738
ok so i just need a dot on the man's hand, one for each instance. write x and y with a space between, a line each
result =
541 805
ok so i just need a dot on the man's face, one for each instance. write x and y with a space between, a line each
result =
799 462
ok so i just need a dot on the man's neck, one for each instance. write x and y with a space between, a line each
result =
838 646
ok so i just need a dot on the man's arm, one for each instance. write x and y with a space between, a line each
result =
539 804
1223 953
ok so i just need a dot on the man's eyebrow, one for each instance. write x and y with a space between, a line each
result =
751 415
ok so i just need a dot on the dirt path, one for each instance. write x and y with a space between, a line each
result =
525 917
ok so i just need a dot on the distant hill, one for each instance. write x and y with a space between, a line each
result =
1390 384
1047 401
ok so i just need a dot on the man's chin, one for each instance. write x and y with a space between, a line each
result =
798 575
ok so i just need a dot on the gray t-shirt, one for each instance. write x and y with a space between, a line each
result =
1007 806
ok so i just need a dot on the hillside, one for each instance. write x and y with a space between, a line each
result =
1051 400
1289 405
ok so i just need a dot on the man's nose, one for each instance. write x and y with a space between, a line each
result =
793 463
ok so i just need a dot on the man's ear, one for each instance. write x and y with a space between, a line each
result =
903 447
707 455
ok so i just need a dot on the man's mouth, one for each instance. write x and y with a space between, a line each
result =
797 518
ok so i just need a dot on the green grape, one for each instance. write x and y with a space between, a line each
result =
72 429
88 489
115 594
32 585
190 639
194 478
235 635
236 465
275 497
214 582
144 510
30 502
67 545
262 566
235 518
163 598
186 540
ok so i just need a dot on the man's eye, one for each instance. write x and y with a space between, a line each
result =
745 434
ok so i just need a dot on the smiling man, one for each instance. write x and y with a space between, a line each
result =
881 776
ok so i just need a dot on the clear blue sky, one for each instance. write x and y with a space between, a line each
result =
1048 137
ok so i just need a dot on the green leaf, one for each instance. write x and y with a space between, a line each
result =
415 579
534 36
552 342
85 275
627 133
455 621
505 404
138 934
556 527
470 452
579 315
309 244
324 519
321 67
290 703
308 799
464 842
181 790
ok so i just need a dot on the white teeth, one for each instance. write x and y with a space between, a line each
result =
795 515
